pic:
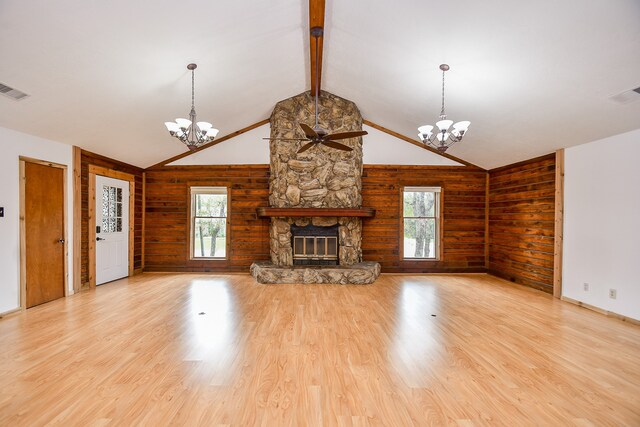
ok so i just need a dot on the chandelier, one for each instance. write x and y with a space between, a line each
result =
445 136
188 131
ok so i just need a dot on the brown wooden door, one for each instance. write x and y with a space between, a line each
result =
44 233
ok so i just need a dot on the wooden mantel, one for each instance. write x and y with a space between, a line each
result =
299 212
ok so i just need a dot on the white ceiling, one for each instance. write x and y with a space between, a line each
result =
531 76
249 148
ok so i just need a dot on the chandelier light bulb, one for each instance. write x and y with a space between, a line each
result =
172 126
444 124
183 123
444 138
188 131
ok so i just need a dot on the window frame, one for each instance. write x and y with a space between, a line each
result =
438 212
193 190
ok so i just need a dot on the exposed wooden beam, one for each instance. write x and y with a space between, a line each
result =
558 227
211 144
316 19
418 144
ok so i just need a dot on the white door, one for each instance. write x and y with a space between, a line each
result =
112 229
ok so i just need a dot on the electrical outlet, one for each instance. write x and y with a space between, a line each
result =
585 287
613 293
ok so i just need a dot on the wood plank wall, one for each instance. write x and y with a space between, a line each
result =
521 222
167 216
87 158
464 200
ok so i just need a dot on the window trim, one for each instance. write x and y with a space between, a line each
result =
214 188
438 211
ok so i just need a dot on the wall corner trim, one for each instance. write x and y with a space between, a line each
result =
558 224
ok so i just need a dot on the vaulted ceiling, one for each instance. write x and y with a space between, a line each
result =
531 76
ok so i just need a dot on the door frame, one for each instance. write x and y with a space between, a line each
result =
23 233
109 173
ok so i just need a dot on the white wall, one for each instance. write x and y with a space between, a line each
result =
602 223
13 145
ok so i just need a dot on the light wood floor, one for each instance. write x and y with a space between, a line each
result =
409 350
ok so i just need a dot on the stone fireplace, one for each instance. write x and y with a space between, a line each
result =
314 245
315 198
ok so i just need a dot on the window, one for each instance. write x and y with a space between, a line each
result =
421 215
209 222
111 209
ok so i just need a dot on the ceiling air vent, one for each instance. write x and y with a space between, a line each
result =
627 97
11 92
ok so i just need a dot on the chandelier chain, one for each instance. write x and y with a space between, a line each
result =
442 110
193 97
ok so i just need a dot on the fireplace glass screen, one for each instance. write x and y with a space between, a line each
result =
315 245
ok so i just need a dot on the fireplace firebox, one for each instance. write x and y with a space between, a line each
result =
314 245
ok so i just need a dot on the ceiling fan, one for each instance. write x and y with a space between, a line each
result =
316 134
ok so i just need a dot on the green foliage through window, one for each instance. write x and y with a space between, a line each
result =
209 222
420 212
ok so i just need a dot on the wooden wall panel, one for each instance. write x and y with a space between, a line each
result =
463 236
521 222
87 158
167 207
167 216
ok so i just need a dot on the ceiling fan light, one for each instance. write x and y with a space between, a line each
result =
183 123
444 124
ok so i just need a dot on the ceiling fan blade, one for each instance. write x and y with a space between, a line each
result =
311 134
337 146
305 147
344 135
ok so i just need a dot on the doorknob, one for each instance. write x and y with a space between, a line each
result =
99 238
61 241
